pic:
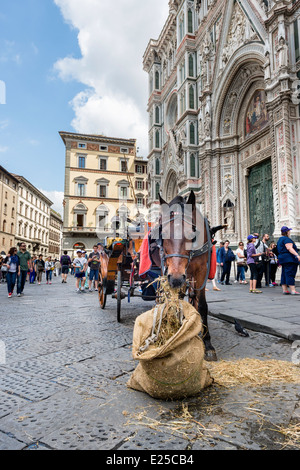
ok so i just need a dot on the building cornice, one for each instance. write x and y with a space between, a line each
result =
32 188
96 138
100 172
10 175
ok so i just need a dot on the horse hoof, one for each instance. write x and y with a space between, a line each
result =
211 356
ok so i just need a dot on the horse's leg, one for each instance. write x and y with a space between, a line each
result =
210 353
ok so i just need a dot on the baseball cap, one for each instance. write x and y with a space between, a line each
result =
79 251
285 229
251 236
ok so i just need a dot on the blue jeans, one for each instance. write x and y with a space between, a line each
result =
94 274
240 273
11 281
32 276
49 275
288 273
21 281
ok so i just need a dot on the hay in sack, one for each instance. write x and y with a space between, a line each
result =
169 351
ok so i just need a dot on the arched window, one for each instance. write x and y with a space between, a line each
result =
157 167
157 189
182 102
4 226
80 212
101 217
190 21
157 80
192 165
181 30
157 139
191 97
192 133
191 65
157 115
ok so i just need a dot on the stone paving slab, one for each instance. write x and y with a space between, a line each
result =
33 421
68 362
269 312
9 443
30 388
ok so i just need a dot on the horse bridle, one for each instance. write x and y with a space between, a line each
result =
206 247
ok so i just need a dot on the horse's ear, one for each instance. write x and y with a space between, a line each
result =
192 199
161 200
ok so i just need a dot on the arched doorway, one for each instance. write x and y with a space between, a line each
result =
171 186
243 119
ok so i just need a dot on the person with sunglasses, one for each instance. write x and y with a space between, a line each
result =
241 263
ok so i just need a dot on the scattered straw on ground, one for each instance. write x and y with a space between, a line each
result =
253 372
292 435
182 425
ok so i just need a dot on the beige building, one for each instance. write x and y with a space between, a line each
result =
55 234
33 218
140 181
104 184
8 209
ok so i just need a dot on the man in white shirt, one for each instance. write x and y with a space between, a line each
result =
80 265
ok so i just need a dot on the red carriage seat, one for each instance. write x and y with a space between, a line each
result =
213 263
145 259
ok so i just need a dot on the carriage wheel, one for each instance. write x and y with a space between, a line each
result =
119 285
102 290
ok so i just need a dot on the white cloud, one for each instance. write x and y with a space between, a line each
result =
112 43
33 142
57 198
4 124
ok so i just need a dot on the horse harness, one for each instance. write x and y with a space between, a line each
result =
206 248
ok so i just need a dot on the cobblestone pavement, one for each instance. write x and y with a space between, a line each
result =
63 384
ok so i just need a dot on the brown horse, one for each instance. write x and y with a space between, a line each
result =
184 245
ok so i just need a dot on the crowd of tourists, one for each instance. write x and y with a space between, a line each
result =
263 259
260 256
19 267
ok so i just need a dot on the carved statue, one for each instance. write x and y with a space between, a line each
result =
179 153
229 219
283 53
207 124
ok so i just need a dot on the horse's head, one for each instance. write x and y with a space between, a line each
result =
178 229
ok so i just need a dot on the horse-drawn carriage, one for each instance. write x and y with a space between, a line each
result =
187 261
120 275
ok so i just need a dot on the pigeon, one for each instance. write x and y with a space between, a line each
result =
241 331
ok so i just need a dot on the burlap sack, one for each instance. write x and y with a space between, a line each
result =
174 370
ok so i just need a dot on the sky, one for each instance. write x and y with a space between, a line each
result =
71 65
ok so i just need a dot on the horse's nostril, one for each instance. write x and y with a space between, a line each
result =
176 281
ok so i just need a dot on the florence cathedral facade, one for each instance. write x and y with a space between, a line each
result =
224 112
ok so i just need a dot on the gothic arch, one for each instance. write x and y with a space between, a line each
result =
171 186
249 55
171 111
